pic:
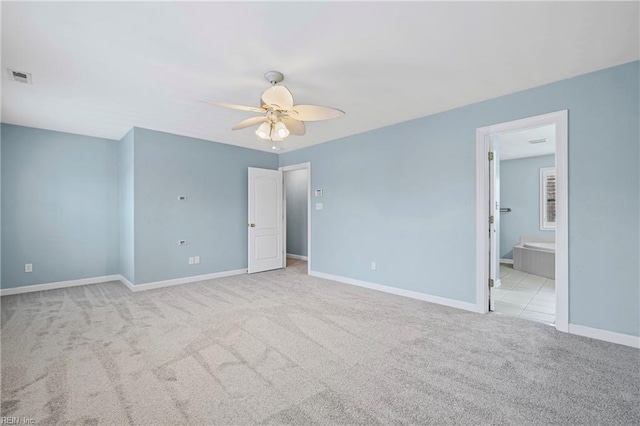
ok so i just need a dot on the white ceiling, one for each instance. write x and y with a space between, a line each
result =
101 68
517 144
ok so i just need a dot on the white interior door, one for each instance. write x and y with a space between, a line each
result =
494 224
266 231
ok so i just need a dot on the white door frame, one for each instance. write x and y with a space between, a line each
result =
302 166
560 119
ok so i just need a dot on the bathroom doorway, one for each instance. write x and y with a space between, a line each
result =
522 219
525 222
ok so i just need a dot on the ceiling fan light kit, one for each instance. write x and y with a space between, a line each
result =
281 117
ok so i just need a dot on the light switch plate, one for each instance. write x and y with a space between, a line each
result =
319 206
318 192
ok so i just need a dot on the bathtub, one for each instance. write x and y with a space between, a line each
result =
535 256
541 245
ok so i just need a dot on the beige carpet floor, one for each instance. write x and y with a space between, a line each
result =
284 348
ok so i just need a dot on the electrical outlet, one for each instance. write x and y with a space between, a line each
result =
182 242
182 198
196 259
191 261
28 267
373 266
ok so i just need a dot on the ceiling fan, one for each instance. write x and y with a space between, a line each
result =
281 117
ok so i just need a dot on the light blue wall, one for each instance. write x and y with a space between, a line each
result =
520 191
81 207
126 181
213 220
59 206
404 196
297 205
0 208
604 199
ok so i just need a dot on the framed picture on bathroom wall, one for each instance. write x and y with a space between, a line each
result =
548 198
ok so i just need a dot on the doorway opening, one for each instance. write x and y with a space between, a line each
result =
523 185
522 219
297 216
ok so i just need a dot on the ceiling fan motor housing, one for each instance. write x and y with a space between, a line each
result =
274 77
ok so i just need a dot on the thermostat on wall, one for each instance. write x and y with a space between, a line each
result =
318 192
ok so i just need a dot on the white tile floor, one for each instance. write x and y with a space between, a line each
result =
525 295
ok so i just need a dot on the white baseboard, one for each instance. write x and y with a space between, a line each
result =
123 280
185 280
127 283
58 284
296 256
398 291
507 261
607 336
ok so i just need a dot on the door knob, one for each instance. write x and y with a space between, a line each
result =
253 225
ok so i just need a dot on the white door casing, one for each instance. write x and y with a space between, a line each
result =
560 120
265 224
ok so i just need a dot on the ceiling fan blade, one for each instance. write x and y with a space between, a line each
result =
296 127
314 113
249 122
234 106
278 96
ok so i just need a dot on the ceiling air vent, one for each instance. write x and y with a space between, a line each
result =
19 76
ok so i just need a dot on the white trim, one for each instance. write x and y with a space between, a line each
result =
122 279
300 166
562 221
607 336
497 283
507 261
560 119
296 256
58 284
482 226
127 283
178 281
398 291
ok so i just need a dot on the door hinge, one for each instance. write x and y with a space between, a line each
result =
491 219
490 282
490 155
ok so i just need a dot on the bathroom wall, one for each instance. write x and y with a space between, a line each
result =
520 191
